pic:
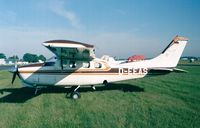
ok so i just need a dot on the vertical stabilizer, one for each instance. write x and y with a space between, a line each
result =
169 58
171 54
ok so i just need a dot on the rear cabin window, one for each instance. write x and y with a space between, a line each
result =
98 65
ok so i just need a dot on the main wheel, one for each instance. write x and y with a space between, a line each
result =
75 95
105 82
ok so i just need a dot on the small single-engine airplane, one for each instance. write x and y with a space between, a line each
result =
75 66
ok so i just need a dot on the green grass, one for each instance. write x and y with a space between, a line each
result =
167 101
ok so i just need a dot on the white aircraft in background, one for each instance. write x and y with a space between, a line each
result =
76 66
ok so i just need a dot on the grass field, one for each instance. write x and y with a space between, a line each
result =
167 101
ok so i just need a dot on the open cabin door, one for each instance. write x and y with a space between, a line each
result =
70 51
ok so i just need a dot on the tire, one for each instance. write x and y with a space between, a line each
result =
105 82
75 95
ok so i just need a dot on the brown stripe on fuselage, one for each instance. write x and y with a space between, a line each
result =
100 74
113 70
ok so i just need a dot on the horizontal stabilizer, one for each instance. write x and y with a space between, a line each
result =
180 70
163 71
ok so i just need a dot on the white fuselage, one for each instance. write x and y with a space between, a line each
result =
96 72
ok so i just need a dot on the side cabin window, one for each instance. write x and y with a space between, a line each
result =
70 64
97 65
86 64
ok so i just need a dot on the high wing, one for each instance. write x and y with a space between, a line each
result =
71 50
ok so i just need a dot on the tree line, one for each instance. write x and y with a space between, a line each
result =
28 57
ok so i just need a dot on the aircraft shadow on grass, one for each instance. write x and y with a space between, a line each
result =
21 95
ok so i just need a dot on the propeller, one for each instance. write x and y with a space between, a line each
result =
15 73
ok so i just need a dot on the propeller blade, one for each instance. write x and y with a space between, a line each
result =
14 76
15 73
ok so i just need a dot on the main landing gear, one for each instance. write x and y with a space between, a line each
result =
75 95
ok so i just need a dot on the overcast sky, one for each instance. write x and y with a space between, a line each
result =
118 28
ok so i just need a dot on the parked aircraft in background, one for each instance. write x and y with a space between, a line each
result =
76 66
